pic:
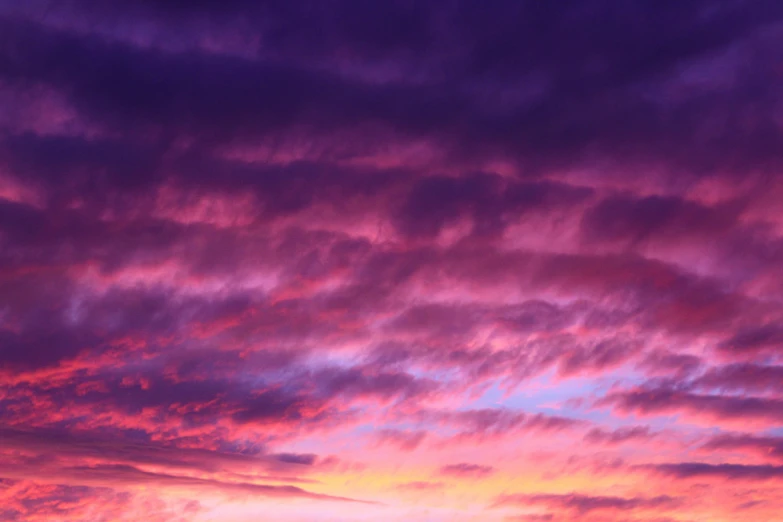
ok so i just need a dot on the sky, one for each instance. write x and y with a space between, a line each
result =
393 260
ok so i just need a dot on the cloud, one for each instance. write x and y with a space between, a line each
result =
31 501
619 436
482 423
119 475
671 401
407 440
488 201
306 459
600 357
747 377
53 457
654 217
753 339
666 362
70 446
733 472
467 470
584 504
466 95
764 446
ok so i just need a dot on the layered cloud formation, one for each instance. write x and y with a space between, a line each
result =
362 261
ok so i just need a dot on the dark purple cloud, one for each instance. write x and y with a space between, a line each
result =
636 220
765 446
739 472
670 401
753 339
306 459
746 377
94 445
460 98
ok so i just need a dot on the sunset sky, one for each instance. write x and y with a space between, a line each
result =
379 260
